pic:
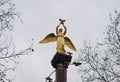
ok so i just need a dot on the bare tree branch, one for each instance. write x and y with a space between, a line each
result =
9 58
7 15
102 62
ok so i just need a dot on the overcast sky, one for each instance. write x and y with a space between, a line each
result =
85 20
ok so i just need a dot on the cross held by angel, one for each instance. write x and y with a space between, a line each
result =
60 38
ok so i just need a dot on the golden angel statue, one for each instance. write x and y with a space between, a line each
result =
60 38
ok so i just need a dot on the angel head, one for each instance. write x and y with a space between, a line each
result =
60 30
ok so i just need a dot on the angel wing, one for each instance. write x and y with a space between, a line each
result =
69 43
49 38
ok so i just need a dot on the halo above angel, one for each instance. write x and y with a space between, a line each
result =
60 38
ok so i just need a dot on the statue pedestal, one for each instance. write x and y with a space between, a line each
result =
61 62
61 74
61 59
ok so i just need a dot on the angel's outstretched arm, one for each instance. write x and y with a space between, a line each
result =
57 28
65 29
